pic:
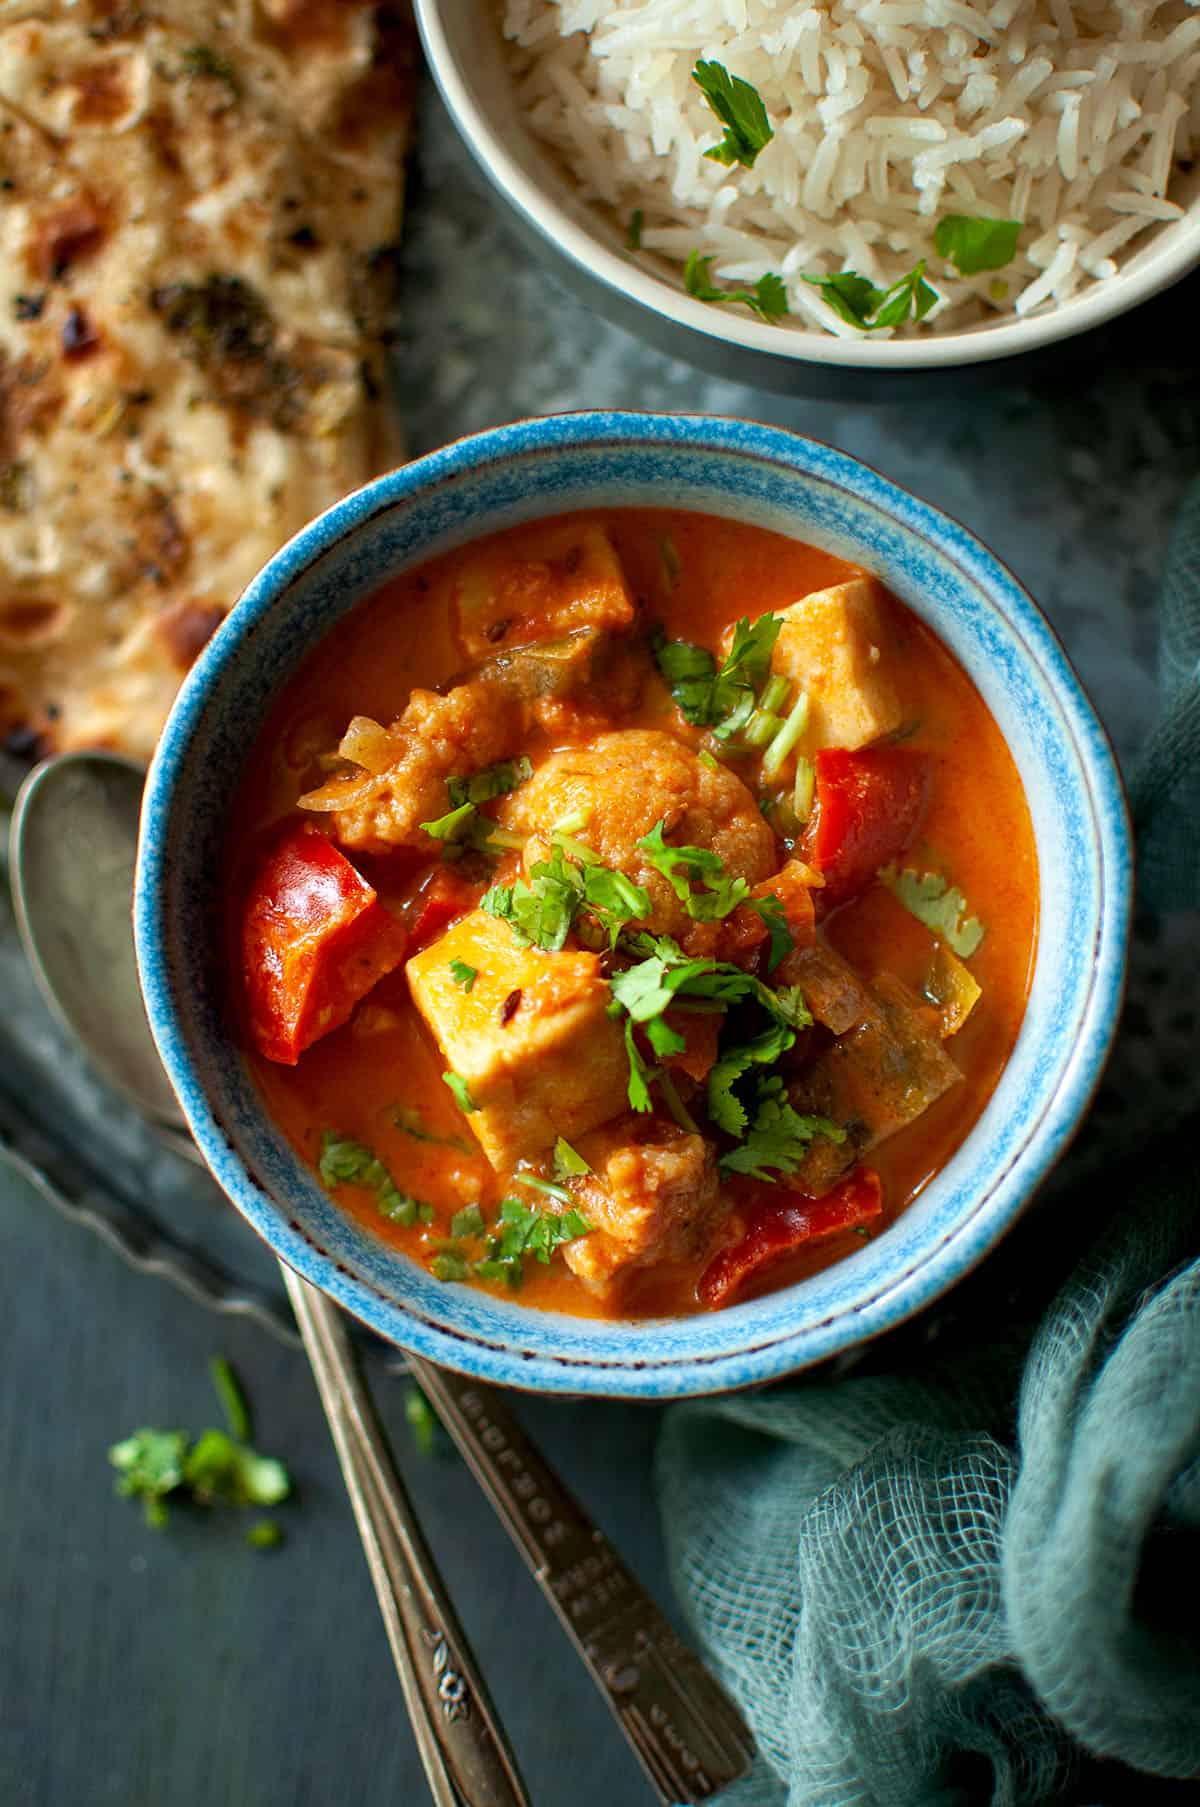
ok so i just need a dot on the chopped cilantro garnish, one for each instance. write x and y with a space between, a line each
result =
521 1178
738 105
713 696
633 237
409 1120
462 821
233 1400
778 1137
973 245
467 1222
462 974
724 1106
568 1162
679 865
640 1075
857 300
450 827
767 299
265 1535
493 781
216 1468
939 905
775 922
449 1265
542 911
347 1163
462 1092
422 1420
523 1232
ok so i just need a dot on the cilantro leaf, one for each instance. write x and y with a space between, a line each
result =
738 105
265 1535
347 1163
467 1222
679 864
568 1162
778 1136
448 1265
640 1074
724 1107
689 673
775 922
523 1232
767 299
941 907
451 826
494 781
857 300
232 1398
150 1466
709 695
462 1093
462 974
972 245
218 1468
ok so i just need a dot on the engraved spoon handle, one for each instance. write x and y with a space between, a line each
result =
466 1756
684 1729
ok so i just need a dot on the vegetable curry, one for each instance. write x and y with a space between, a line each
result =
633 911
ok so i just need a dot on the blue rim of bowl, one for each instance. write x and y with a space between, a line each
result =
927 1275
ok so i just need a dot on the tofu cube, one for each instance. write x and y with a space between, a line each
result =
571 578
531 1037
831 645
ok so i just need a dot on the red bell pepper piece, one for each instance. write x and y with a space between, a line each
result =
445 898
315 939
867 809
781 1222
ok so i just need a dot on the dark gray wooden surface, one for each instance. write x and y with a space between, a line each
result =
181 1669
142 1668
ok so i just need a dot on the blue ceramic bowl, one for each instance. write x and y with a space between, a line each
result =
771 479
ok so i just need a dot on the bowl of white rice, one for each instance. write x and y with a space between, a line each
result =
878 186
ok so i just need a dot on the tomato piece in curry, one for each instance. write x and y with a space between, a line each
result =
633 911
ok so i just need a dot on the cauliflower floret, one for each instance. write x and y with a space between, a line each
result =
621 785
556 686
653 1195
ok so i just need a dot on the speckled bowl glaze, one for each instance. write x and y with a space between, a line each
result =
771 479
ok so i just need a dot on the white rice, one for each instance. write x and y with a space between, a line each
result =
1069 115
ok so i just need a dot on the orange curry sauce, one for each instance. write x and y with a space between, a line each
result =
977 831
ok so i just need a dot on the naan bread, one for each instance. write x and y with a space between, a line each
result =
198 203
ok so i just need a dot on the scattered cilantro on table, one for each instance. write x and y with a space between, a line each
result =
217 1468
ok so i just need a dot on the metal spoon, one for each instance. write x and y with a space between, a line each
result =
74 838
74 835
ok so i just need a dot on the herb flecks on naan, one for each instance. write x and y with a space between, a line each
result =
197 207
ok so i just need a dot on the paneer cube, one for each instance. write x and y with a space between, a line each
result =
831 645
575 581
530 1038
653 1195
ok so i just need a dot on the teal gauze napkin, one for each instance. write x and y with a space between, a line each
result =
970 1566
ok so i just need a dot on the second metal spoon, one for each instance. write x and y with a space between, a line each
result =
73 843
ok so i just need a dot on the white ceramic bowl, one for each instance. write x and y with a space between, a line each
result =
469 61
